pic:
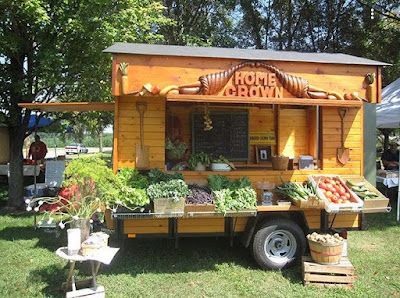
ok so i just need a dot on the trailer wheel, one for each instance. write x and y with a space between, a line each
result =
278 244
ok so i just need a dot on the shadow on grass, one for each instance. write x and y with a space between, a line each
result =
156 256
16 214
46 239
193 255
52 277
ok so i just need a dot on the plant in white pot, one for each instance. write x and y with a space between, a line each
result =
199 161
221 164
168 196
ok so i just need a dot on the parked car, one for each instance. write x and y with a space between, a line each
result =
76 149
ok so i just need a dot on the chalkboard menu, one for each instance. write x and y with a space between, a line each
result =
229 136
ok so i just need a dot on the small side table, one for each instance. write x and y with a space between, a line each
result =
104 255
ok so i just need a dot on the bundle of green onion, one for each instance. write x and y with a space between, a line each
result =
297 191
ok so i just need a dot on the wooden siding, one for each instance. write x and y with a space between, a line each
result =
145 226
164 71
129 132
201 225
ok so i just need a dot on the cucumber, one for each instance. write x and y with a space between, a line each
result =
361 195
371 194
359 189
359 184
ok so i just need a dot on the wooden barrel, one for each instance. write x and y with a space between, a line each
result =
326 254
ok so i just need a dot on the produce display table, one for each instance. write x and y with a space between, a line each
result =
28 170
148 215
104 255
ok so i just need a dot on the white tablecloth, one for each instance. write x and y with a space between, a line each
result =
104 255
388 182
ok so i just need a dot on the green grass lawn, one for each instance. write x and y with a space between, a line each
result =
200 267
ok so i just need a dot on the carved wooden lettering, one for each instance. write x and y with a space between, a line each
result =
254 84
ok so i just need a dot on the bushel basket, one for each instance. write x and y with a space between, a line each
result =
326 254
280 163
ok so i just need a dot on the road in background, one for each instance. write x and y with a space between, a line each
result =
53 152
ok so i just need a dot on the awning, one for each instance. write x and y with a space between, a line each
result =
263 100
70 106
43 122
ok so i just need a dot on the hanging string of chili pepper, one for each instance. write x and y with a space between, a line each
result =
207 119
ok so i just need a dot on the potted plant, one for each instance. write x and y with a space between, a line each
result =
88 188
221 164
76 204
168 196
199 161
175 150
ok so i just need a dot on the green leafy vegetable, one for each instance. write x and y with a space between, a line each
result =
218 182
173 189
132 177
92 168
156 176
235 200
131 198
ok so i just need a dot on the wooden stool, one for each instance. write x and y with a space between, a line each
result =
340 275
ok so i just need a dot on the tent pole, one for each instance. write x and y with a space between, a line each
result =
398 195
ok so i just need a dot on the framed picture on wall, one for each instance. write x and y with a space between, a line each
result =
263 153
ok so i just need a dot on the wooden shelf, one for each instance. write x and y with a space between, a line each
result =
277 208
263 100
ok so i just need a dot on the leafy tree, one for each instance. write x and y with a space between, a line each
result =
53 50
199 22
324 26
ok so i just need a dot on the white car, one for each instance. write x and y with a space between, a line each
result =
76 149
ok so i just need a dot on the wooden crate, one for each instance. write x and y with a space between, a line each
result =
340 275
199 208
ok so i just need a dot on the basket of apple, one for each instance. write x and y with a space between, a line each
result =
334 191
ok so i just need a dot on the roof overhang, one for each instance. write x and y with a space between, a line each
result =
70 106
236 53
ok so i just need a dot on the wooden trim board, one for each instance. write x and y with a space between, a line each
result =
263 100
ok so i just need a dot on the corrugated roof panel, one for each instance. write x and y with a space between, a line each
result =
235 53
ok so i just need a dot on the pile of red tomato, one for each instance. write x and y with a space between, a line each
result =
334 190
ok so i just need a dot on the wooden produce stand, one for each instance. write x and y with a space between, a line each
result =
261 103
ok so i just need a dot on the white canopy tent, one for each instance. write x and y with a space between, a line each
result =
388 116
388 112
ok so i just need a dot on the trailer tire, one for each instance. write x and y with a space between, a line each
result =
278 244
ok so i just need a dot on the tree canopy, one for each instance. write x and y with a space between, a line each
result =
53 50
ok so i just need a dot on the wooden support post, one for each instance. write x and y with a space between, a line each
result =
312 129
115 135
276 109
324 221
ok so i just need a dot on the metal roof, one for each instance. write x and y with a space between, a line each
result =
235 53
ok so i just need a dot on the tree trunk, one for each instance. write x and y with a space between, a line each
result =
101 141
16 178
